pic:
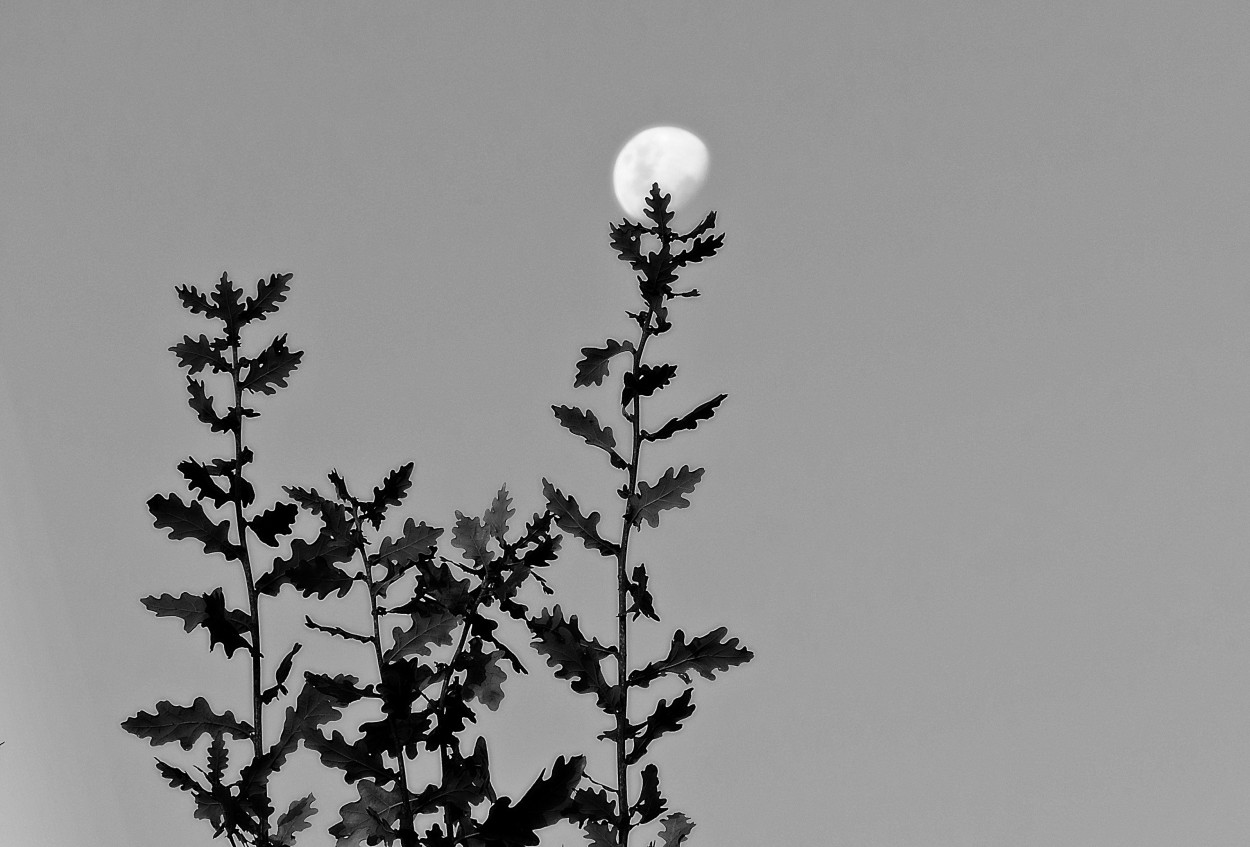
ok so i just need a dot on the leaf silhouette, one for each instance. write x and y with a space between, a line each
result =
418 638
357 760
667 717
199 478
690 420
472 537
202 405
574 656
676 830
591 804
269 371
178 778
706 655
226 297
484 678
586 425
295 818
417 541
593 367
190 608
310 567
195 354
641 602
626 241
222 623
190 521
600 834
390 493
515 826
668 493
648 380
312 708
570 519
369 819
274 522
334 630
195 301
496 517
218 759
184 724
284 670
650 804
657 206
269 295
703 248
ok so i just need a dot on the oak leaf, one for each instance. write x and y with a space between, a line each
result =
668 493
184 724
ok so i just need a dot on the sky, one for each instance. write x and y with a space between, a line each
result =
977 500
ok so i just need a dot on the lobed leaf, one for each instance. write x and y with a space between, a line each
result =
542 805
676 830
586 425
310 567
600 834
650 804
357 760
312 708
190 521
641 601
690 420
417 541
295 818
195 354
668 493
472 537
369 819
226 297
483 680
593 367
195 301
706 655
648 380
576 657
667 717
190 609
703 248
274 522
497 516
418 638
178 778
657 206
591 804
202 405
708 223
269 295
200 478
569 518
184 724
218 759
390 493
269 371
223 624
626 240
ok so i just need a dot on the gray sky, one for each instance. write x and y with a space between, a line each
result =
977 499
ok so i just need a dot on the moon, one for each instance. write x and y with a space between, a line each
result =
673 157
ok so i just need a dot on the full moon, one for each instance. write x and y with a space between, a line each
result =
673 157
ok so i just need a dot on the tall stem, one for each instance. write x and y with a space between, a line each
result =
622 592
407 834
253 599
